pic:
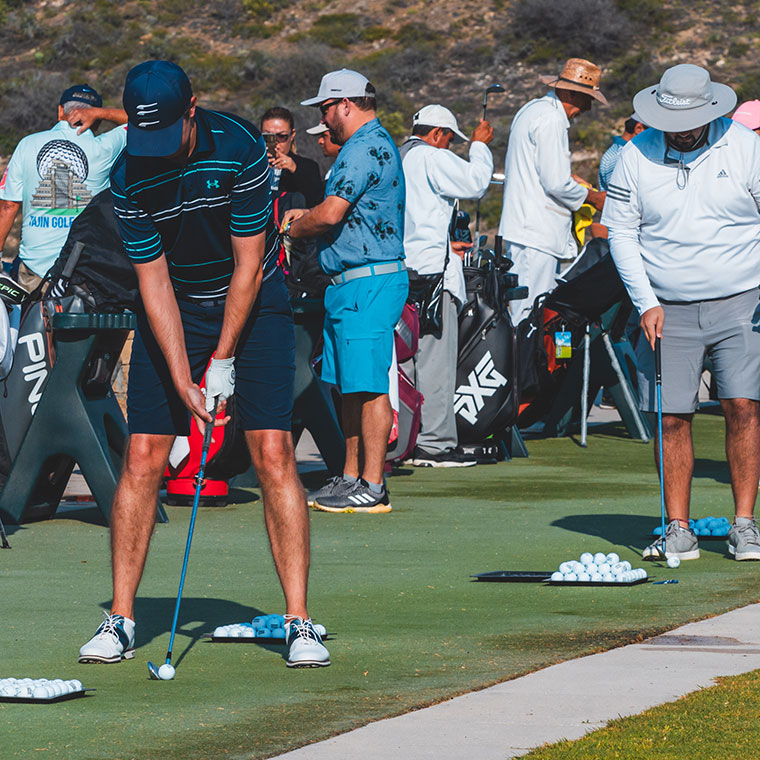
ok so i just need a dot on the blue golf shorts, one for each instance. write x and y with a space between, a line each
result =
264 365
358 333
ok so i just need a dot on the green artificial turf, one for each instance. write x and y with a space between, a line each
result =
722 721
410 626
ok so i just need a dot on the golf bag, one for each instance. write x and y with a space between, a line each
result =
406 339
299 258
103 276
487 393
24 384
227 456
586 290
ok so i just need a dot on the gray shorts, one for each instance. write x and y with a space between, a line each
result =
725 329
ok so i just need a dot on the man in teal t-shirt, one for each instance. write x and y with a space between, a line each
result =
53 175
360 226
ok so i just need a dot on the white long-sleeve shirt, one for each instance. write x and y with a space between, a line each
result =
435 178
539 193
692 232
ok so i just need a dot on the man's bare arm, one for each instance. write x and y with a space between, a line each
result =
160 305
327 214
8 211
84 118
248 253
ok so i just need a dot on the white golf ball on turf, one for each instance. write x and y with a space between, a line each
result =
600 557
584 577
320 629
166 672
569 577
604 568
565 567
673 561
557 575
587 558
596 577
612 558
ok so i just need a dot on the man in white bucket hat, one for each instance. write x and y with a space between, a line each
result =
684 227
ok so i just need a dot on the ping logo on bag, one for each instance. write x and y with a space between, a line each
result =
483 381
36 370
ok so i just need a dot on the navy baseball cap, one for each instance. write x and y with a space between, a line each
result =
82 93
156 96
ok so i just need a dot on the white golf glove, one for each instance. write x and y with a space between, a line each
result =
220 381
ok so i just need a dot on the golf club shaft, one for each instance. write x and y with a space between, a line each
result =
584 396
658 390
198 486
3 537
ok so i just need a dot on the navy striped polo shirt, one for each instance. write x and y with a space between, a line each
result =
189 212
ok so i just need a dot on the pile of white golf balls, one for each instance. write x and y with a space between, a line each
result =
261 627
38 688
598 568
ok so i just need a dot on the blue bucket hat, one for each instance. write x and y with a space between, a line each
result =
157 95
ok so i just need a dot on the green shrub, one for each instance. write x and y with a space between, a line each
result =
374 33
549 25
29 105
338 30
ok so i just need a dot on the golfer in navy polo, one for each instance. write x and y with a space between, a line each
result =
360 225
191 195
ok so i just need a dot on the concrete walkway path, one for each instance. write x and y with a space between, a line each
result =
563 701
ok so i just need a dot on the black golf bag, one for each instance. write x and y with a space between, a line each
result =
586 290
487 394
103 275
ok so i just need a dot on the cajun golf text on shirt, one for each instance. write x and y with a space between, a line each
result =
54 175
369 176
189 212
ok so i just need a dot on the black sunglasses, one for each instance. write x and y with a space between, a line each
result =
325 107
281 137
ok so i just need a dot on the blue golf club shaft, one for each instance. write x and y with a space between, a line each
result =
658 389
198 486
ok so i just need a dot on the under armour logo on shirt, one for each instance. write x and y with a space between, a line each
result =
212 183
722 173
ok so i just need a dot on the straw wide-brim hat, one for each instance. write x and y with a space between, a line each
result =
580 75
685 98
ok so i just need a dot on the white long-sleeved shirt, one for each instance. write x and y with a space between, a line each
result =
435 178
539 193
686 232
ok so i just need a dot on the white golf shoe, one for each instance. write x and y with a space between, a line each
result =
114 641
305 647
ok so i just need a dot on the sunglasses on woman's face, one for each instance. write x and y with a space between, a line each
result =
281 137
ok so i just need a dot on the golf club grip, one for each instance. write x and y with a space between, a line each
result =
209 430
658 360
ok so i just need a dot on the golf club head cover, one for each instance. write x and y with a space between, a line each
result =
220 381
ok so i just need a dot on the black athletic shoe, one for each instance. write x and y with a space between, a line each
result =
359 498
448 458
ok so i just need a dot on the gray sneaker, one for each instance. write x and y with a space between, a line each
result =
744 539
679 542
334 487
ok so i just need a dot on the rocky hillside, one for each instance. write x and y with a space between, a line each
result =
246 55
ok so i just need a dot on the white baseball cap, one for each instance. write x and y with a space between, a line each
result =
438 116
343 83
318 130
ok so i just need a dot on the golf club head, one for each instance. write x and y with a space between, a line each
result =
153 670
495 88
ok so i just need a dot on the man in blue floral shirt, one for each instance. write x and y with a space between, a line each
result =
360 225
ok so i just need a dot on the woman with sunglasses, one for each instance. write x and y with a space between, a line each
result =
298 174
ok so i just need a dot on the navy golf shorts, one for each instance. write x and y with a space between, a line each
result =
264 365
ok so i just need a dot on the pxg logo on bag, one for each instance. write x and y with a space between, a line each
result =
483 381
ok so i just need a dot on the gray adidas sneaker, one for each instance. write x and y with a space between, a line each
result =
679 542
334 487
744 539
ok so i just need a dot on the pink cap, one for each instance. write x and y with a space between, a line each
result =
748 113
